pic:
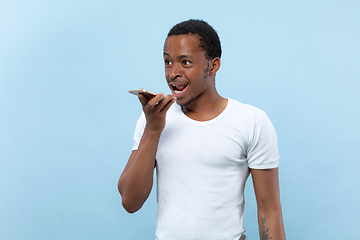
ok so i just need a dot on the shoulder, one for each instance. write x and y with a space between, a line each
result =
244 111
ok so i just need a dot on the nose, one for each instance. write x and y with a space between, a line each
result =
175 72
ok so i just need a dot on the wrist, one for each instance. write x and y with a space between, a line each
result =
152 132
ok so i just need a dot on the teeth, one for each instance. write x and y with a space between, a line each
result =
178 87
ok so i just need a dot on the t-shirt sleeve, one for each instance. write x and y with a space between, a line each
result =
140 126
263 145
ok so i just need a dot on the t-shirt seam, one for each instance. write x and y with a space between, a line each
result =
210 122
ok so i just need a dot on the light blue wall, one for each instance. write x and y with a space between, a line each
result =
66 119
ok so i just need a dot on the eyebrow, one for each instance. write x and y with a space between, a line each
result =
179 57
184 56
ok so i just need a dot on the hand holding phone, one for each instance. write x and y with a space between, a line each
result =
155 107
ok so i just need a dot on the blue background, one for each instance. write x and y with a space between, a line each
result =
67 121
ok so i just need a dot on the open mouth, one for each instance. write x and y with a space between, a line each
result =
178 88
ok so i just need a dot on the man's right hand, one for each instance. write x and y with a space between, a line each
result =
135 183
155 110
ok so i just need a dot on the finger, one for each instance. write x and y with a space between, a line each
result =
166 107
156 100
165 103
143 100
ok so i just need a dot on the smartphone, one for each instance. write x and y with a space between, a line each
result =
147 94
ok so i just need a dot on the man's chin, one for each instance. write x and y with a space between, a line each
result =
183 102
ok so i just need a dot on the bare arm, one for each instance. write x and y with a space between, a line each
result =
266 186
135 183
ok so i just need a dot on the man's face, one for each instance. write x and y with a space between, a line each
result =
186 68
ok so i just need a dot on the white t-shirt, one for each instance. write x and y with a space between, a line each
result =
202 167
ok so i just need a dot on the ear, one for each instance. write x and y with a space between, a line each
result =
214 66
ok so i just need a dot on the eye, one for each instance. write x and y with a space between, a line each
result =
167 62
186 62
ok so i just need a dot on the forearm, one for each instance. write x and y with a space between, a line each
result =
136 181
271 224
267 191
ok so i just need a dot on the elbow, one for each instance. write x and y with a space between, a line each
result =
131 201
130 206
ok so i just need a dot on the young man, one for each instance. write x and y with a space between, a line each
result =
203 147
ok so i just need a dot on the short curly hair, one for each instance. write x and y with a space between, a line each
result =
209 39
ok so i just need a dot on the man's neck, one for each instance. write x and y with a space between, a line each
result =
205 108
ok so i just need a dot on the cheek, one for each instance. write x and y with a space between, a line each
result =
166 74
197 76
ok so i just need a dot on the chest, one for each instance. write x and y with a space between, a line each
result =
218 146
